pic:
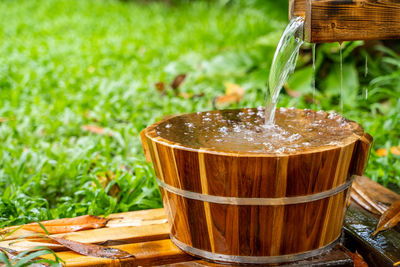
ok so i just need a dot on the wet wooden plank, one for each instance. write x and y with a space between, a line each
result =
147 254
141 218
346 20
126 234
381 250
297 8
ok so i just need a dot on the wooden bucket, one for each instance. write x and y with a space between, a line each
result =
254 208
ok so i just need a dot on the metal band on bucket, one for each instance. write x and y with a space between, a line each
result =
252 259
254 201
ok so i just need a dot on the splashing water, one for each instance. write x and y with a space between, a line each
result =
293 131
283 65
365 75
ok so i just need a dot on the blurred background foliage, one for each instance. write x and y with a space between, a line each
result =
80 79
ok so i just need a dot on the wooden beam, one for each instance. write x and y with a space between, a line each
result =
346 20
381 250
297 8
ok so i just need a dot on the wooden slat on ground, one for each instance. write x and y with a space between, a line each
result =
384 248
146 253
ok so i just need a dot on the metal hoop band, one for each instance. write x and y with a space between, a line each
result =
254 201
252 259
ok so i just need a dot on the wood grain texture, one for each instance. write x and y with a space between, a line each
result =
346 20
382 250
297 8
255 230
137 226
147 254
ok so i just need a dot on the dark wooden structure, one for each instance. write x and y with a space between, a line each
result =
234 206
346 20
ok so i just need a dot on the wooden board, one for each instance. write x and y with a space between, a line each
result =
384 248
297 8
346 20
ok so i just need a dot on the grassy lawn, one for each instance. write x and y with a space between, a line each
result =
68 64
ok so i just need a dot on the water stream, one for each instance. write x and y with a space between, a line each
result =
314 71
365 75
283 65
341 77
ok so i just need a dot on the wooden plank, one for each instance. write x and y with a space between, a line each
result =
127 219
346 20
384 248
132 234
381 250
147 254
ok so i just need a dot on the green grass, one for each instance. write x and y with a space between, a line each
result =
66 64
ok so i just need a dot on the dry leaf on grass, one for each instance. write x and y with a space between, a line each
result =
389 219
96 130
160 86
93 250
357 259
395 150
105 178
68 225
178 81
233 94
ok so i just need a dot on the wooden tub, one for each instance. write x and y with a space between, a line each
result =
248 207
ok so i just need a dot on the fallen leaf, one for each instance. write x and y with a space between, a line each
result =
233 94
389 219
105 178
357 259
185 95
178 81
226 99
93 250
234 89
96 130
366 201
160 87
395 150
190 96
68 225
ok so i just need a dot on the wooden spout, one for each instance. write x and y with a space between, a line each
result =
347 20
